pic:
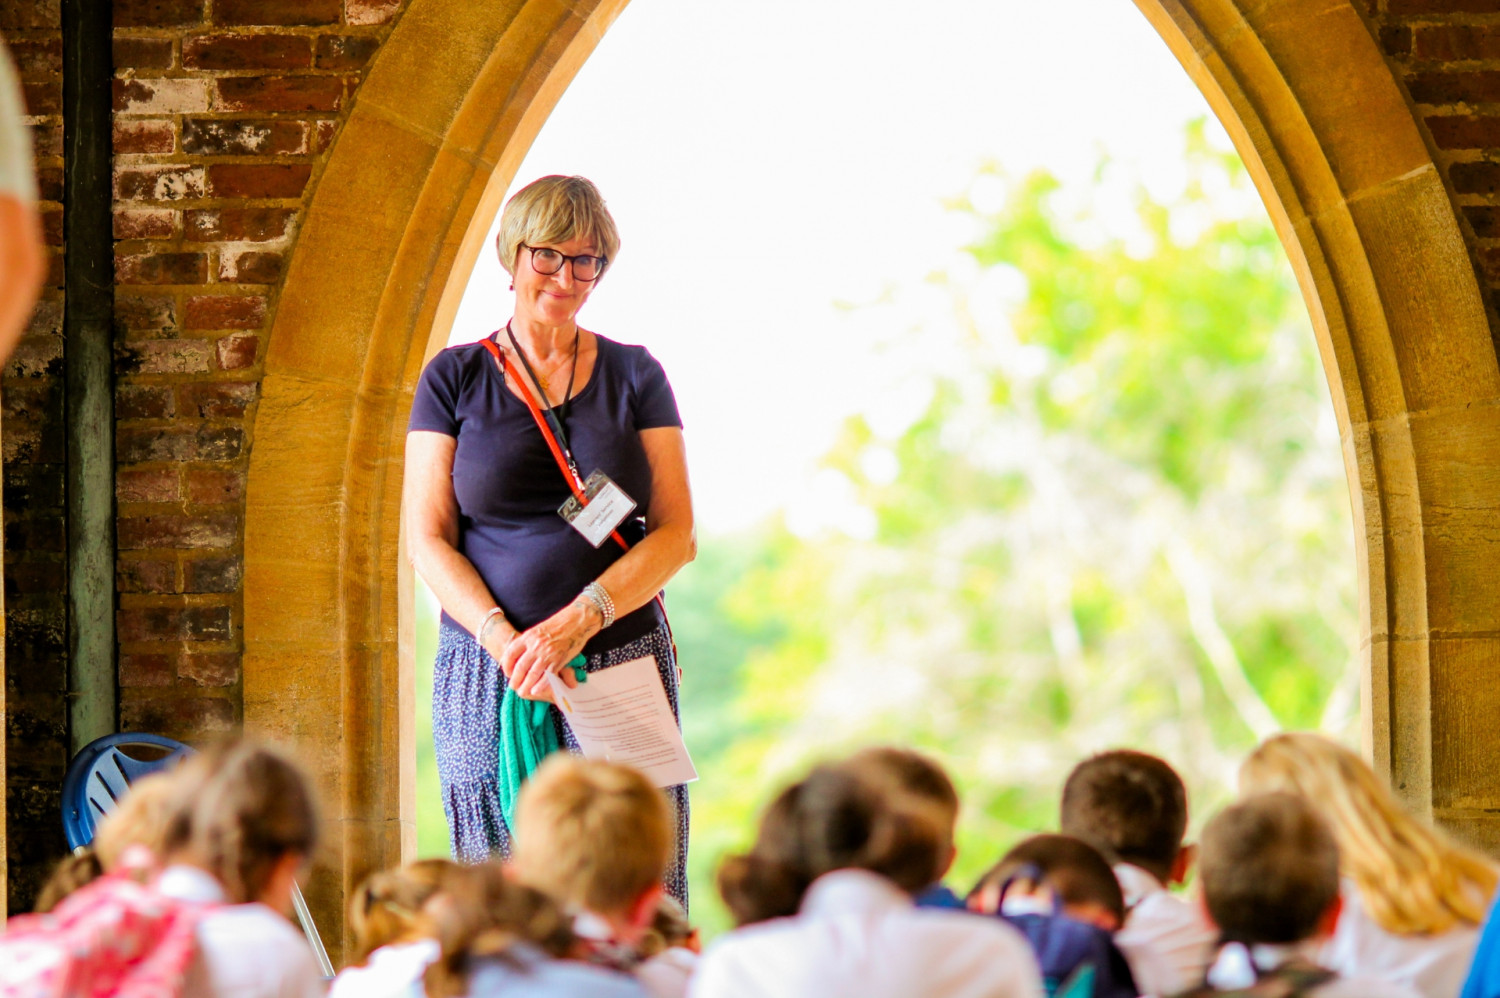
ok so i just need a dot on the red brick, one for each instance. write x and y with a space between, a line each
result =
1475 178
371 11
163 357
185 720
147 136
157 13
52 226
327 129
147 670
1484 220
237 224
134 52
213 575
1396 40
345 51
36 57
158 182
1413 8
237 180
147 485
225 312
1456 42
279 12
247 52
146 575
31 577
1476 87
35 535
135 445
211 486
46 97
145 223
161 268
144 312
177 530
49 182
210 669
280 93
56 276
46 141
36 356
272 137
222 400
174 623
160 96
250 267
237 352
144 402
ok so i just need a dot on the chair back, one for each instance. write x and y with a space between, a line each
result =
101 774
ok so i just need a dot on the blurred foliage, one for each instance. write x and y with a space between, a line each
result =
1119 517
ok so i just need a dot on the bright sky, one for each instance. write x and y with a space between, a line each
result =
767 161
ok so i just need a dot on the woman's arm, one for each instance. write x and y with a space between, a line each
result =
634 580
432 534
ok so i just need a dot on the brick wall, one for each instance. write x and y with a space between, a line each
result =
1447 53
223 112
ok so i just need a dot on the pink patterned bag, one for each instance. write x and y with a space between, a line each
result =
115 936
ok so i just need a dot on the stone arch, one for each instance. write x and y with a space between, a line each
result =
1333 148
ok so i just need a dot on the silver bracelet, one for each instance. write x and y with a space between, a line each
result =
484 627
599 596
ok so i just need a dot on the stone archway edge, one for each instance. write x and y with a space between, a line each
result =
414 177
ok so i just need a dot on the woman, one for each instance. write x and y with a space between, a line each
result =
524 591
1412 899
824 904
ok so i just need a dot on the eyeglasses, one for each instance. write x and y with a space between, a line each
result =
550 261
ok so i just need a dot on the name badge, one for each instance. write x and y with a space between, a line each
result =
606 509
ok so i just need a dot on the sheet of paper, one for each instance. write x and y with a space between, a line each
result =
621 714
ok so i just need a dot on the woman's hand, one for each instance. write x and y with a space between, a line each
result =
548 647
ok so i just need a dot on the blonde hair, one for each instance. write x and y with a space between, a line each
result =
387 906
592 834
555 209
73 871
143 819
250 806
1412 879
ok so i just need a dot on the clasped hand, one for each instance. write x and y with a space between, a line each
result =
544 648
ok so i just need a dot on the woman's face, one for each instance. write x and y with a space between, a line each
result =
552 299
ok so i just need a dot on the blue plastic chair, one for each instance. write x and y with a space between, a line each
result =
100 776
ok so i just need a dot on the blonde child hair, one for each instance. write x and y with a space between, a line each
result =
1412 879
141 821
592 834
387 906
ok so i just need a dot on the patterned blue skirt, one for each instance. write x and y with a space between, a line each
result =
466 686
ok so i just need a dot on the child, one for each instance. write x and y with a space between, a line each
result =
671 948
1064 898
824 904
1133 808
597 837
393 938
915 774
1270 874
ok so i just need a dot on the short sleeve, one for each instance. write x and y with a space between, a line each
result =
435 406
655 405
17 177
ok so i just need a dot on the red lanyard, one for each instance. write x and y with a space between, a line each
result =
564 462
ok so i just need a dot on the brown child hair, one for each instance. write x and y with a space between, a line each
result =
1131 806
387 906
1078 876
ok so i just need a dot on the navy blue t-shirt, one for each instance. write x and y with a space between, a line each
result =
509 487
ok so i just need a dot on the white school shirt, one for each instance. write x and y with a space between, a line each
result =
1166 940
16 176
1232 971
244 950
1433 966
390 972
859 936
666 975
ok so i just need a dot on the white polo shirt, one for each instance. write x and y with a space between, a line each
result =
1433 966
1167 941
859 936
17 177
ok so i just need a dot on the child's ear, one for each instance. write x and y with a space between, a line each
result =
952 855
643 910
985 899
1330 920
1187 856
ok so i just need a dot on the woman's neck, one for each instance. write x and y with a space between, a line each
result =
541 341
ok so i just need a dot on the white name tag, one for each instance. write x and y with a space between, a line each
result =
607 508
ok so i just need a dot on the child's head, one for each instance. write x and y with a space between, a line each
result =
596 836
387 906
1069 870
73 871
670 929
137 830
1132 806
838 817
914 774
251 821
1270 871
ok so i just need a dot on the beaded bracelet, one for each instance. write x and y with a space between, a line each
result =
599 596
484 627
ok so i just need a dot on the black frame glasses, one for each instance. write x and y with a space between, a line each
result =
562 258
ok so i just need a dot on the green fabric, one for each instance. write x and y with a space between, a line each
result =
527 736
